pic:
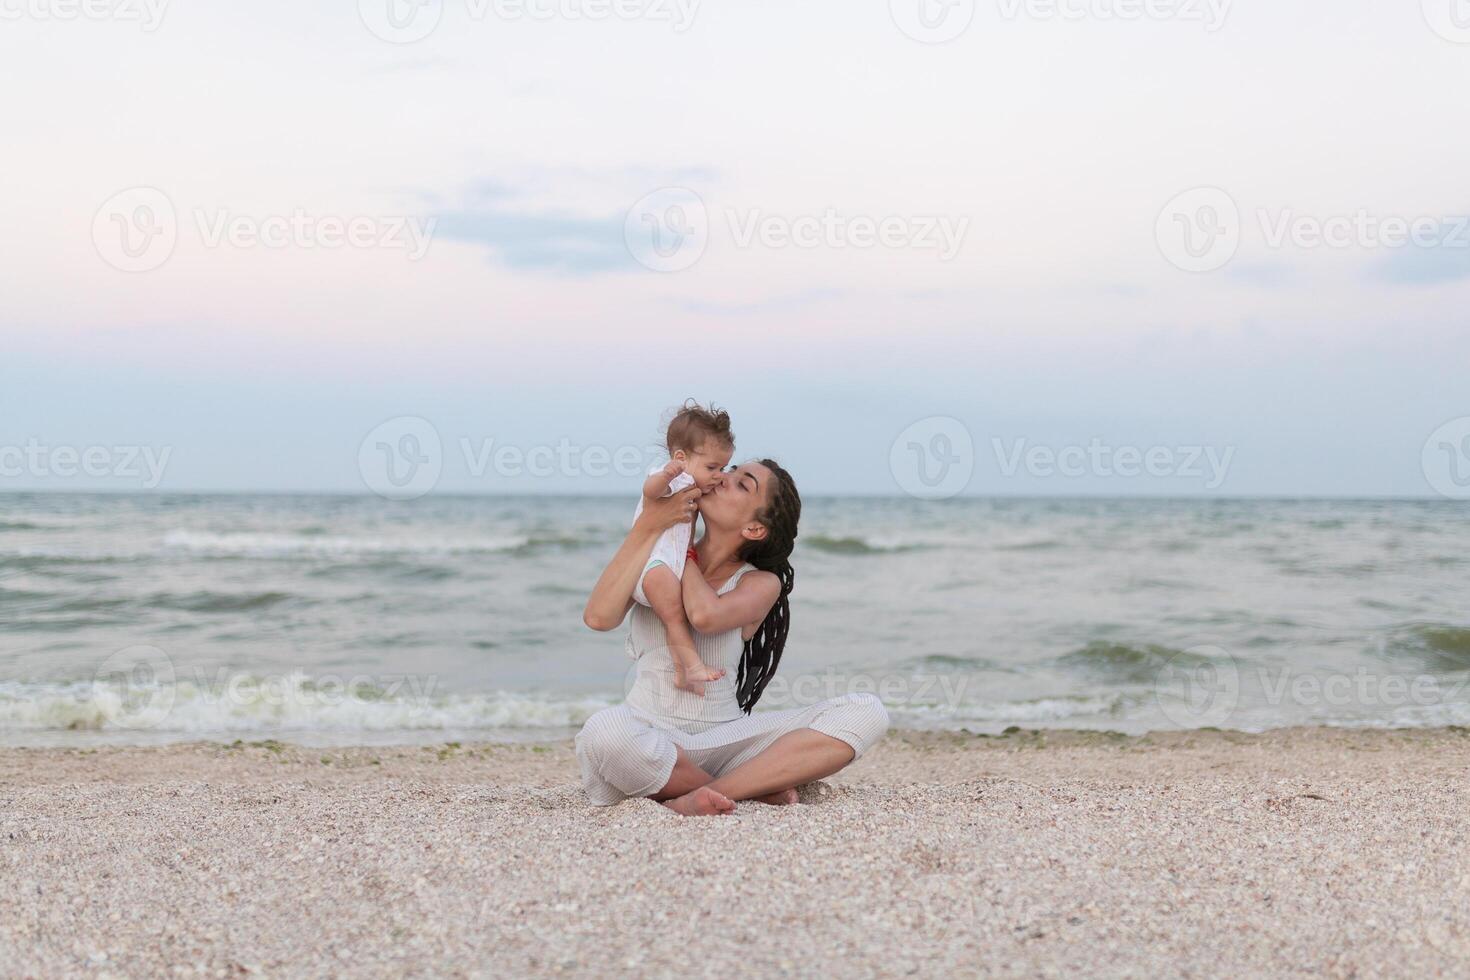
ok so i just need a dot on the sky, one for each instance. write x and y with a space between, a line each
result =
936 247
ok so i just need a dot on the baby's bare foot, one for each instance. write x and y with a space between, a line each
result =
694 679
702 802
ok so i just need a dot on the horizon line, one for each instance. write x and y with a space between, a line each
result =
829 495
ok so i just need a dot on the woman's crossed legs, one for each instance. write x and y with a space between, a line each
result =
787 750
761 757
771 777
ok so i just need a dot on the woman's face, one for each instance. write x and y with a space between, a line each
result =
738 497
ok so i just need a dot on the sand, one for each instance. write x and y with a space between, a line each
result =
1308 851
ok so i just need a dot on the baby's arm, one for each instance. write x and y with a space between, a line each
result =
666 597
657 484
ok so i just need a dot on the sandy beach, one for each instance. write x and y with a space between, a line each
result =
1306 851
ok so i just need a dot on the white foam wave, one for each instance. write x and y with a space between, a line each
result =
244 704
237 703
257 544
1439 715
288 705
1039 711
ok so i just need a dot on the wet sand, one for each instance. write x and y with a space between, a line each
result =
1306 851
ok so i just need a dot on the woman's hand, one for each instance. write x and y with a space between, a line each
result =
661 513
612 596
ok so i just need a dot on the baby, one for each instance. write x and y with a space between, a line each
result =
700 445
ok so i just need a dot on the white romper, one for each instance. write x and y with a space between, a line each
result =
630 750
673 545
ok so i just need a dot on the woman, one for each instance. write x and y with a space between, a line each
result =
698 755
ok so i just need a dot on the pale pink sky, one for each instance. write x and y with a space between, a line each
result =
1049 147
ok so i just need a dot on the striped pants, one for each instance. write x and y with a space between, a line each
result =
625 752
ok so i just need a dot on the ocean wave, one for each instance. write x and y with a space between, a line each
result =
1451 640
294 703
1441 646
1038 711
90 603
209 601
70 624
1443 715
557 589
58 560
859 546
1121 663
398 569
22 597
252 544
1030 544
235 704
203 601
951 662
536 542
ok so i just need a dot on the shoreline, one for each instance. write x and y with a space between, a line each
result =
1334 851
388 740
237 757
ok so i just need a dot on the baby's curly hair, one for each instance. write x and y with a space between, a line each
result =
693 426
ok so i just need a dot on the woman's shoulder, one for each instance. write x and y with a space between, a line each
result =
749 573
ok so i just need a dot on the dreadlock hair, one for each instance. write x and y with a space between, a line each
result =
772 553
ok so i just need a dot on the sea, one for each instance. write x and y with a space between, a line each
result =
139 619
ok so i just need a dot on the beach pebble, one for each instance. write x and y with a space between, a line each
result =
930 857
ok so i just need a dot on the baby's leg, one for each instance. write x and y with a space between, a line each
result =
666 598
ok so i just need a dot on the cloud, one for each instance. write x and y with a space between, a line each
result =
1422 266
566 219
1447 260
550 242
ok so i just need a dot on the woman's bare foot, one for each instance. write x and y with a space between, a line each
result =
784 797
702 802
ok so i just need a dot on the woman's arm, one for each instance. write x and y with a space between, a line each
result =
612 596
747 603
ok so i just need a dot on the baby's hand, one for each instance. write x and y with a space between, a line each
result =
673 469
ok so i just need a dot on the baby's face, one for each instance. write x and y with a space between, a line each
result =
706 464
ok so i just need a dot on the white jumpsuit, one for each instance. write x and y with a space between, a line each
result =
630 750
673 545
